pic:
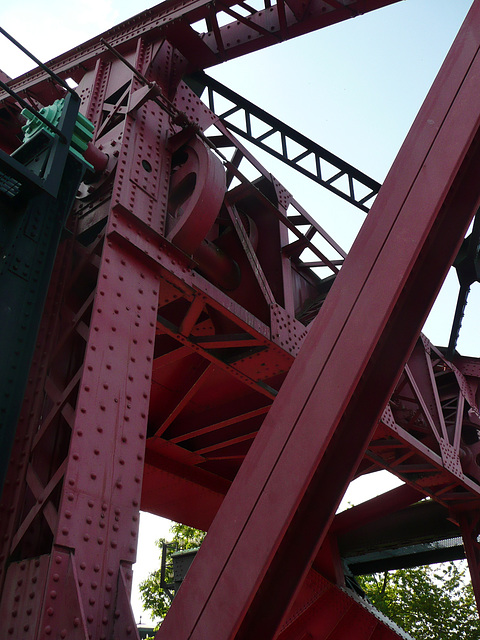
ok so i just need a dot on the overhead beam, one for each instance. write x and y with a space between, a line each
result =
171 20
382 505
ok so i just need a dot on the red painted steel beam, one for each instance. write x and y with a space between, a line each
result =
323 611
188 494
380 506
172 19
276 23
275 516
470 526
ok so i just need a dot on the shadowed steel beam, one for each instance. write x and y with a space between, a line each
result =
278 510
343 179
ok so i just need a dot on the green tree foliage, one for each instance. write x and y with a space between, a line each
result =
154 598
430 603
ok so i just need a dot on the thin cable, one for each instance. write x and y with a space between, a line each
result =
38 62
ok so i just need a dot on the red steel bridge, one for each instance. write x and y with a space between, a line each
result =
182 339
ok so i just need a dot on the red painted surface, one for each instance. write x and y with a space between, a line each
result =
173 318
326 412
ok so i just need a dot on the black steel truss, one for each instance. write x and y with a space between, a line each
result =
278 139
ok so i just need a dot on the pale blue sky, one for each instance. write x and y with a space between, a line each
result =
354 88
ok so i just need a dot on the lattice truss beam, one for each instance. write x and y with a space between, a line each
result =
176 310
296 150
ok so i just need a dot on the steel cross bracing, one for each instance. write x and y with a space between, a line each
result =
176 309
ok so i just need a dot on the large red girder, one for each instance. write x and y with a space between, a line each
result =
204 33
157 363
